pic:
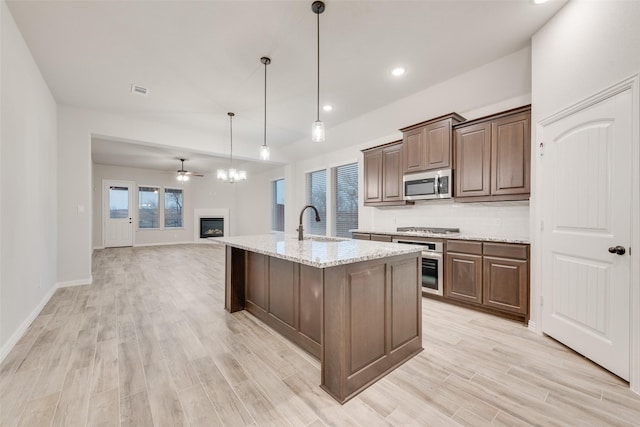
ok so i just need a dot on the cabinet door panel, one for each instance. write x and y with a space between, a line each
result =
413 148
473 162
257 279
373 176
282 298
505 284
392 174
438 146
464 277
511 155
310 302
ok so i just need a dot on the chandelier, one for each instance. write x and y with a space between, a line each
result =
231 175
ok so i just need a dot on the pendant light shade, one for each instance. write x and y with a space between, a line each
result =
317 127
264 149
317 131
231 175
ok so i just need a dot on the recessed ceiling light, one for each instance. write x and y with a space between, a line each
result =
398 71
539 1
327 107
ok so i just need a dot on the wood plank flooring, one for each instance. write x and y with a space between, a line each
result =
149 344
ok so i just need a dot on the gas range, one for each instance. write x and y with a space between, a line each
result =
431 230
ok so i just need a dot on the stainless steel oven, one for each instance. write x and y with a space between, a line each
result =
432 264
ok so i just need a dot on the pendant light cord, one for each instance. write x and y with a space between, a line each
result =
231 138
318 91
264 144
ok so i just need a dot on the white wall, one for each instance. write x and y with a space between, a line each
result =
585 48
198 193
254 201
494 87
28 220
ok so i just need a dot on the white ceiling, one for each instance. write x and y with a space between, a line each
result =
201 59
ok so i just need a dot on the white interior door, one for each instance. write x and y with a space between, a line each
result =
118 214
586 197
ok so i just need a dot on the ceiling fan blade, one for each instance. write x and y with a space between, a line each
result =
193 173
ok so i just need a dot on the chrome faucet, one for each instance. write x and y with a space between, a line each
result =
300 237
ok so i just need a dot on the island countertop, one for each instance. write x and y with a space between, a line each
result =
316 251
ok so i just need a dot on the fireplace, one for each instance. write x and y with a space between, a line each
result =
211 227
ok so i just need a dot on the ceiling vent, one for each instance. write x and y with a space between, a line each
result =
139 90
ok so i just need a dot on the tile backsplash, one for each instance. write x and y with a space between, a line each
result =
490 219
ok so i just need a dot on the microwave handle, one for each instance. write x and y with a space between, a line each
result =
437 185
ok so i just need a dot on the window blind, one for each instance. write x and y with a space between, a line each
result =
346 203
317 196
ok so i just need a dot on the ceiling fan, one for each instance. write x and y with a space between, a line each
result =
183 175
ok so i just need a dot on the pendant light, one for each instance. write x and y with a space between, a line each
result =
317 127
231 175
264 149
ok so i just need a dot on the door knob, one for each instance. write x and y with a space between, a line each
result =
620 250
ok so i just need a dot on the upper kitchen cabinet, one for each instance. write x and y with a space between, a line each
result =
383 175
493 157
427 145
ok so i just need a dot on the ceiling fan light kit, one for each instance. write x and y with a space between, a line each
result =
183 175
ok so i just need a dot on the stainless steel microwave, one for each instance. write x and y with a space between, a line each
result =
428 185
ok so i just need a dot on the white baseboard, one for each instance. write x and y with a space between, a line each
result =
138 245
533 327
18 333
79 282
95 248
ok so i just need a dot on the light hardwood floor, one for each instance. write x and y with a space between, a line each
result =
149 343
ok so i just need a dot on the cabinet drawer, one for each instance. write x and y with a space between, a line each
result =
506 250
361 236
380 238
464 247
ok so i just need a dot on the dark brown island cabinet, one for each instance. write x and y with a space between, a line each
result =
493 157
361 319
488 275
427 145
383 175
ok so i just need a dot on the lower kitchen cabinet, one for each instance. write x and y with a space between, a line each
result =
505 284
492 276
374 237
464 277
361 236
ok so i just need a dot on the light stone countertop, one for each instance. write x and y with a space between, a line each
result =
453 236
321 253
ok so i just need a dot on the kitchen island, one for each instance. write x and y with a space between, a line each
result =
355 305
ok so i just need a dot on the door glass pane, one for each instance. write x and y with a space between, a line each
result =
118 202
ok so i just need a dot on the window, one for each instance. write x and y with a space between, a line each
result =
346 203
172 208
317 193
148 213
277 214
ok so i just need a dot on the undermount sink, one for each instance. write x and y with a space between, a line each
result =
324 239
